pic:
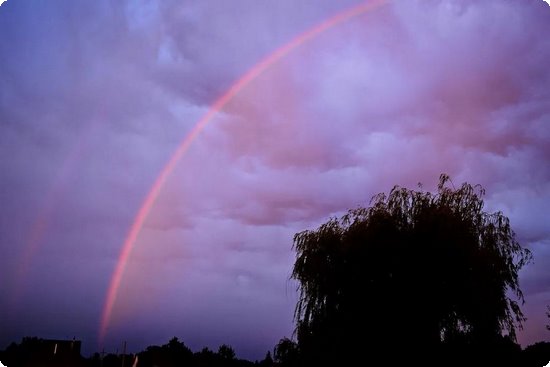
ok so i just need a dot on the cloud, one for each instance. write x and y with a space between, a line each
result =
391 99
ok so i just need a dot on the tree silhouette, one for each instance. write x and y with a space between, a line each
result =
548 315
174 353
286 353
415 271
226 352
205 357
226 355
267 361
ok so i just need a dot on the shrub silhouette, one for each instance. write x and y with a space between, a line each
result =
419 272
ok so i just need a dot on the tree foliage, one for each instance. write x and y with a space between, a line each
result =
286 353
226 353
432 265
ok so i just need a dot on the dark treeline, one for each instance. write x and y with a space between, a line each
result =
416 278
285 354
36 352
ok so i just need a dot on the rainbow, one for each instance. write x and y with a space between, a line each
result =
248 77
39 228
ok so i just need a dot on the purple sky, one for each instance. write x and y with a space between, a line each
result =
95 96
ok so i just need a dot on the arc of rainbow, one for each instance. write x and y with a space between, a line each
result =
42 221
249 76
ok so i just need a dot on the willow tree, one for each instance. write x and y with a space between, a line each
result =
414 268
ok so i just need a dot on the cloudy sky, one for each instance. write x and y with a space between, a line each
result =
96 96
